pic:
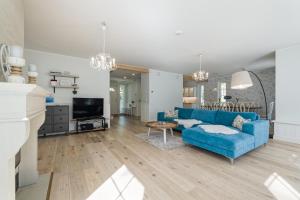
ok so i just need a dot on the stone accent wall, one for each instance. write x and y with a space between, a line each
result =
253 94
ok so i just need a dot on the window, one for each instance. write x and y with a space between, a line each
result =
221 91
122 99
202 95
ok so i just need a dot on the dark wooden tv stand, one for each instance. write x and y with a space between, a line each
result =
100 118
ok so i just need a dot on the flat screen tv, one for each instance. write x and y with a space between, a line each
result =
87 107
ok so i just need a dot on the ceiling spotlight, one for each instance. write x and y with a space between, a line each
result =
133 74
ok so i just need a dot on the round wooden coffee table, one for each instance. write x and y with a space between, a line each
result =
162 126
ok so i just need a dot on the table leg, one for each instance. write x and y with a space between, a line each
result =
165 135
171 131
149 130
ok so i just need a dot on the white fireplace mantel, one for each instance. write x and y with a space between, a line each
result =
22 112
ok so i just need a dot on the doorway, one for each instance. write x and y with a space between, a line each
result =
123 98
125 93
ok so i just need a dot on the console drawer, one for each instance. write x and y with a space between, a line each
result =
61 119
61 128
61 110
48 120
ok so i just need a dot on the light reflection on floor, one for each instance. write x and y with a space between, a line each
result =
122 185
280 188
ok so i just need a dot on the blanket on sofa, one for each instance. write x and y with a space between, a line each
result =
218 129
188 123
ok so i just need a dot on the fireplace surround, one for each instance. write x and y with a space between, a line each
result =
22 112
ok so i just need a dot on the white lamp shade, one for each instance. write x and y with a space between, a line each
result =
241 80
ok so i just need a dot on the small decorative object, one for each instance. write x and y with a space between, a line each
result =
49 99
171 114
227 97
15 63
65 83
4 67
32 74
74 91
103 61
53 82
201 75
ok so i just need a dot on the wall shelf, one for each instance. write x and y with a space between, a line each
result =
74 77
58 86
63 75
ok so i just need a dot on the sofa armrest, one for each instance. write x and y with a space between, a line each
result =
259 129
161 117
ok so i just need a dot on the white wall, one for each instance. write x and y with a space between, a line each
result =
144 97
165 92
11 23
287 125
92 83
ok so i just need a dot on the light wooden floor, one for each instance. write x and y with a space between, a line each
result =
81 164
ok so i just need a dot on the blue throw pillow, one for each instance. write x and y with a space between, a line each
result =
184 113
226 118
204 115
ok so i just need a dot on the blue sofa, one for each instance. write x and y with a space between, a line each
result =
254 133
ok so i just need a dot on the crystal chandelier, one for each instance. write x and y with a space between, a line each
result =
103 61
201 75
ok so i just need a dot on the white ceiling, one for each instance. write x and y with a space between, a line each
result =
231 34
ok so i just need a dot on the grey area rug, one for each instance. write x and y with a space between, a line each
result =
157 139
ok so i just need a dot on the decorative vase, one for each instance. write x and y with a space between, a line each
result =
16 63
32 77
32 74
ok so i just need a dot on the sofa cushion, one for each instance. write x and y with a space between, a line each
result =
204 115
239 121
161 117
226 118
184 113
228 142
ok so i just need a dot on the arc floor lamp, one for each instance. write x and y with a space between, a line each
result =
242 80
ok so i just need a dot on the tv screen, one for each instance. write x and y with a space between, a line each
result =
87 107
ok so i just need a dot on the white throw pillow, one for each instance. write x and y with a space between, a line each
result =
239 121
171 114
